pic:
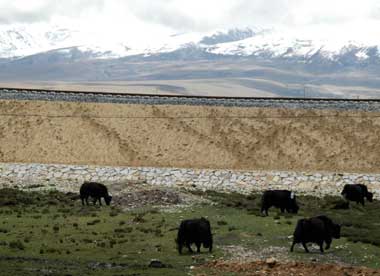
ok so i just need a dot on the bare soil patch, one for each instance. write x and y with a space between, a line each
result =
138 194
154 197
271 267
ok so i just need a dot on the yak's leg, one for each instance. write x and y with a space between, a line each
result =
198 244
292 247
82 198
100 201
188 245
263 210
87 200
282 210
304 246
180 248
328 241
321 246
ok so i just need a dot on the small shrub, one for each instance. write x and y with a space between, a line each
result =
51 250
112 243
93 222
232 228
123 230
114 213
122 241
87 240
101 244
139 218
17 245
158 232
46 211
154 211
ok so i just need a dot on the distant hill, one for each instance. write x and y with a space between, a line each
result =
336 69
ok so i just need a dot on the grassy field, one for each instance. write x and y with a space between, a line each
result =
52 234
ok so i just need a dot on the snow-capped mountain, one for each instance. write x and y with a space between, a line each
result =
272 45
246 61
22 41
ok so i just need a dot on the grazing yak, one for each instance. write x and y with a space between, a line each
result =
316 230
96 191
356 192
196 231
283 199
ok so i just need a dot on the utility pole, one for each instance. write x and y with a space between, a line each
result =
304 90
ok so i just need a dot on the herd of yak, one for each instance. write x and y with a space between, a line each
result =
319 230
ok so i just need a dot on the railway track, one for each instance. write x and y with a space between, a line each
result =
124 98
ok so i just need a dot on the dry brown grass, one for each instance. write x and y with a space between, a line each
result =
189 136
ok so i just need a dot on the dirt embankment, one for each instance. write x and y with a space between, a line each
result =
188 136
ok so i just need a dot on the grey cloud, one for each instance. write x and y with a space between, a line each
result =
164 13
168 13
375 14
260 12
51 8
241 13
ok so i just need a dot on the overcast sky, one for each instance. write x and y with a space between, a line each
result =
357 17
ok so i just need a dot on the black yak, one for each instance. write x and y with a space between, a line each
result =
318 230
196 231
283 199
357 193
96 191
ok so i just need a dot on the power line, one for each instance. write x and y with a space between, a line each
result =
188 117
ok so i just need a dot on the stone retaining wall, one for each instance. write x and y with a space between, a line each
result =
69 178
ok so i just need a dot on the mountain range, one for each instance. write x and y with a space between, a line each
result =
263 60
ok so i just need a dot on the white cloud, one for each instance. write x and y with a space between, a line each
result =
135 17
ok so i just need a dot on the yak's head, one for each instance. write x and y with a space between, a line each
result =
207 243
108 199
369 196
293 208
336 231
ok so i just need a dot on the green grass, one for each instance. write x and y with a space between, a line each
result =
52 234
360 224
